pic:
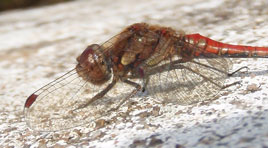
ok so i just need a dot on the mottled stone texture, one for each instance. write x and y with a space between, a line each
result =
38 45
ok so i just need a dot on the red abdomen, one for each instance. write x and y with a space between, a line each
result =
212 46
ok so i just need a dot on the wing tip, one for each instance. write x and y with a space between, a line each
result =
30 100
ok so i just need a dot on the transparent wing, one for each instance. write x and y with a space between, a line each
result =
57 105
54 105
186 83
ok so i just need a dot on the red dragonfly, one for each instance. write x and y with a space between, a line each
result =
170 65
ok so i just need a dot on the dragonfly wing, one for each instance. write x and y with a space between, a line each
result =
56 106
186 83
53 106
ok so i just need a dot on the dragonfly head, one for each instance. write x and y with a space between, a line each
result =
92 65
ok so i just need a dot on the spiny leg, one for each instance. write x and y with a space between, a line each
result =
99 95
206 78
239 69
146 80
158 69
176 65
137 88
209 67
155 70
230 74
222 87
228 85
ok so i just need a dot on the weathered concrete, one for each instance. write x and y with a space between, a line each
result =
40 44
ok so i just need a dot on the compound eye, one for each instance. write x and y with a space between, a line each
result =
88 54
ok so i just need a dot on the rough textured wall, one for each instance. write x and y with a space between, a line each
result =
40 44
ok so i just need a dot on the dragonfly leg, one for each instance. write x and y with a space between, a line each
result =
145 83
244 67
158 69
210 67
163 68
230 74
203 76
137 88
234 83
99 95
155 70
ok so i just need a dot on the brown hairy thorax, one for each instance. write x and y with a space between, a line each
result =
134 45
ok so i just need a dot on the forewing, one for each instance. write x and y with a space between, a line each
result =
57 105
54 105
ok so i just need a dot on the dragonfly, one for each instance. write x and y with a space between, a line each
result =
170 65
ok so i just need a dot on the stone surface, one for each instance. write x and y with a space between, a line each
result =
40 44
